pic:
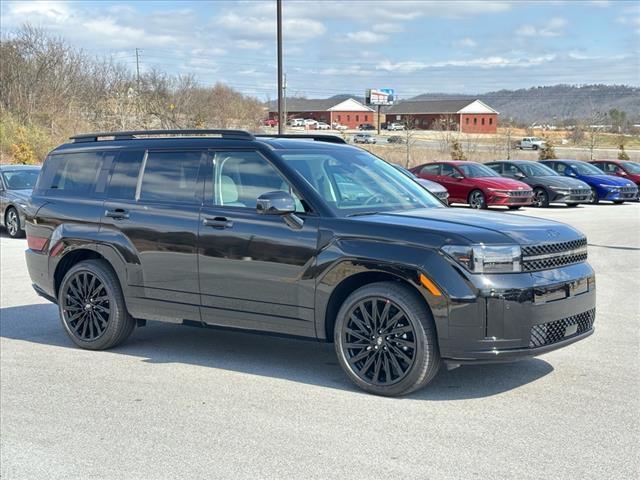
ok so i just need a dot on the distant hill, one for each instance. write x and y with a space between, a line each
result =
556 103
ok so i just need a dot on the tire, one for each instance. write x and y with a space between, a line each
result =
535 147
594 197
540 198
106 323
618 202
12 223
477 199
572 205
514 207
388 365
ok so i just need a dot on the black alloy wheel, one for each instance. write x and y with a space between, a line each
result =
12 222
477 200
540 198
385 339
92 307
594 196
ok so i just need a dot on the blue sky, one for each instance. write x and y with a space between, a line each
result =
346 46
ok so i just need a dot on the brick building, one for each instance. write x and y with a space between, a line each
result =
349 112
466 116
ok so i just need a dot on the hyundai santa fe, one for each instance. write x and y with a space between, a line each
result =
308 237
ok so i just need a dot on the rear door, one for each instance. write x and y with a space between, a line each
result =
251 265
153 209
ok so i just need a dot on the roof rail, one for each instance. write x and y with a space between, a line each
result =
317 137
130 135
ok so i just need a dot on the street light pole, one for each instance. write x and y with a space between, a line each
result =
280 78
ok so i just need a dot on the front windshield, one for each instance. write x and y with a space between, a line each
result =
537 170
631 167
356 182
475 170
20 179
584 168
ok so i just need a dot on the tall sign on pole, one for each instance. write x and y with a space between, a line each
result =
281 119
379 97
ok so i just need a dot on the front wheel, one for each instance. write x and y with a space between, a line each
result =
92 308
385 339
540 198
12 222
535 147
477 200
618 202
572 205
514 207
594 197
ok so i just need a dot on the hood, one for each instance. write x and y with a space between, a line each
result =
607 180
20 195
558 181
431 186
501 183
479 226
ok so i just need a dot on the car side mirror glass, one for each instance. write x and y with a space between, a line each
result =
519 175
275 203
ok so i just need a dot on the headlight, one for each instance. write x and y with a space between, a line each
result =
562 190
486 258
610 187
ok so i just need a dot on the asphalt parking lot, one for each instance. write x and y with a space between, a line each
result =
179 402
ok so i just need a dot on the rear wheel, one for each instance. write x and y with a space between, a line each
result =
477 199
535 147
92 308
12 222
386 340
540 198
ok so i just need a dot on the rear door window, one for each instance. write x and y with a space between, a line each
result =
124 175
496 166
171 176
448 171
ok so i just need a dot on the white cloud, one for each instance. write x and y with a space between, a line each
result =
465 42
481 62
120 35
387 28
632 21
243 26
365 36
553 28
249 44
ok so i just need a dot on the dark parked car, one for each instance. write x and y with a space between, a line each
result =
548 186
620 168
308 237
16 183
476 184
366 126
603 186
396 139
435 188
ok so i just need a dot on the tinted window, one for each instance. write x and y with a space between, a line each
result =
241 177
495 166
632 167
171 177
431 170
20 179
584 168
533 169
475 170
448 170
124 177
75 174
511 170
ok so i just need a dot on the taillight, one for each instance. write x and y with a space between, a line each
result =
36 244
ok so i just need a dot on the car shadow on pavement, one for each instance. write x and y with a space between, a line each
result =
291 359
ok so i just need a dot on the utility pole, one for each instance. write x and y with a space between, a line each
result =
281 119
138 69
284 100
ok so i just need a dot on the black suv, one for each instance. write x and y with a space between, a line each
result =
301 236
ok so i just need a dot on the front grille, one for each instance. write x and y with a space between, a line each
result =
580 191
520 193
629 189
546 256
552 332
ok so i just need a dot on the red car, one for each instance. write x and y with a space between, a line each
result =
620 168
271 122
476 184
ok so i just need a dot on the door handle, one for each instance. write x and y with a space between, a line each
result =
117 214
218 222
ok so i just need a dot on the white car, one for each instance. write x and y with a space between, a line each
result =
395 127
531 143
322 126
337 126
309 122
296 122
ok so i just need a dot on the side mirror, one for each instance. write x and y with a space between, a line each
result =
519 175
275 203
457 176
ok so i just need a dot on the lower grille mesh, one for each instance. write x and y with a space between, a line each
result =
552 332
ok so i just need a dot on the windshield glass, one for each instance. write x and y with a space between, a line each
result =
584 168
631 167
356 182
20 179
475 170
536 170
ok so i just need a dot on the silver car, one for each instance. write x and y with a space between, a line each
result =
16 183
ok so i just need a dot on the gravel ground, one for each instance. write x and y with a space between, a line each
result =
178 402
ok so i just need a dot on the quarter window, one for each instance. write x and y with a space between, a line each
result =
431 169
170 176
76 174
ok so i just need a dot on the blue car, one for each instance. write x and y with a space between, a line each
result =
603 187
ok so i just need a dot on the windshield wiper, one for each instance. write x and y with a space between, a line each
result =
360 214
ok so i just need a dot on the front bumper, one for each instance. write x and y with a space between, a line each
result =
517 316
571 197
504 200
617 195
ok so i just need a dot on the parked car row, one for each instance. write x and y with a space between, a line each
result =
518 183
16 183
